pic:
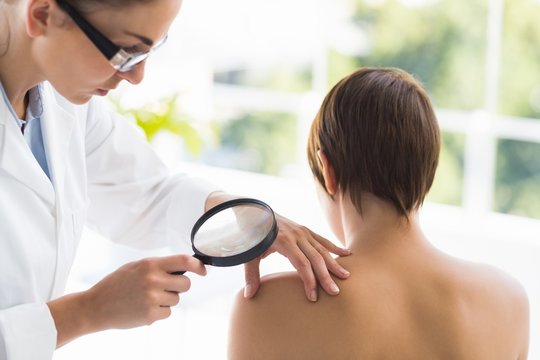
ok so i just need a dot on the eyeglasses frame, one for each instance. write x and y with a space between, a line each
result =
120 59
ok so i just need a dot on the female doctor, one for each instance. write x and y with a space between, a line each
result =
67 160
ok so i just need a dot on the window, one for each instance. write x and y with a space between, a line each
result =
476 58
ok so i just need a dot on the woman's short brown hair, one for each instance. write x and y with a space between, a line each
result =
379 132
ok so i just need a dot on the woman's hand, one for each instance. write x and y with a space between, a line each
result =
308 252
138 293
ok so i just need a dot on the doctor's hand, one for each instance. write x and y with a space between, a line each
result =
308 252
138 293
142 292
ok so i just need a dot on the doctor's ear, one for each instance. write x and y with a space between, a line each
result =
328 173
38 17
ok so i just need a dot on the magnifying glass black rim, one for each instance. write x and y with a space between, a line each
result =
245 256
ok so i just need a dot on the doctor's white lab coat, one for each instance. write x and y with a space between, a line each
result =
104 173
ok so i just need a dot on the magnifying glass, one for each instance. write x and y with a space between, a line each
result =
234 232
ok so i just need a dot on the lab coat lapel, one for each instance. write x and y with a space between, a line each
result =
17 159
57 125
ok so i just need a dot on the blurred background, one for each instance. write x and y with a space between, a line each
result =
231 97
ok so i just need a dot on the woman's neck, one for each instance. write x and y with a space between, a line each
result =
18 73
380 227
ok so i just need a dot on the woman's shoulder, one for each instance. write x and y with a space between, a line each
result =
263 327
478 298
487 280
276 291
277 282
485 299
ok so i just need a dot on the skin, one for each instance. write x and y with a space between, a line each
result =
45 45
408 300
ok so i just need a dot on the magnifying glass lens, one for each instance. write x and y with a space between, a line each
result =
233 233
234 230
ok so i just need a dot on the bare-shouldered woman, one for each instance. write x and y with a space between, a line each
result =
373 149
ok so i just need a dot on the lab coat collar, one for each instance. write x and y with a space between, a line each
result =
17 159
57 125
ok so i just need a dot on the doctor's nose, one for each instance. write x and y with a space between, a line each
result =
135 75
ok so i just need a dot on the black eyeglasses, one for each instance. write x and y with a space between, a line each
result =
120 59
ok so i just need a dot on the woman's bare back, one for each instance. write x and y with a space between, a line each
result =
410 304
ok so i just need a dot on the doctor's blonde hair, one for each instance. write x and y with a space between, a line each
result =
5 32
84 6
90 5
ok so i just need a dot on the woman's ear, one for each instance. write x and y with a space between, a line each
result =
328 173
38 16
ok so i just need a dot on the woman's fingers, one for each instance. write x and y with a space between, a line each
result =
320 268
310 254
331 264
303 266
253 278
329 246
